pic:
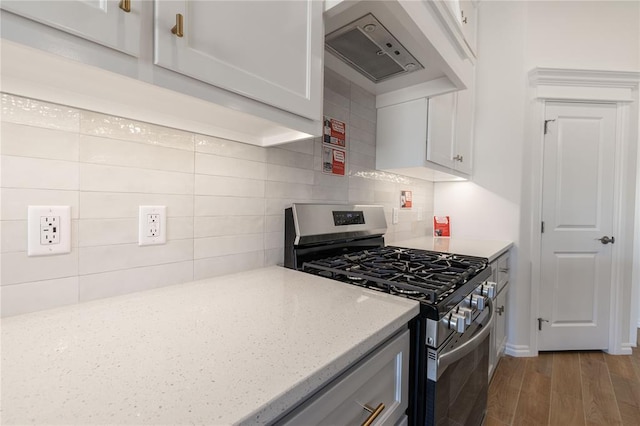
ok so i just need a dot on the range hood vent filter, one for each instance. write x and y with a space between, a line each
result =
367 46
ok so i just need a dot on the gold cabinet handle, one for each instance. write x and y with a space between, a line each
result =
374 413
178 28
125 5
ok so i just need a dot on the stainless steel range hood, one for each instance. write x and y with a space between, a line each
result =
398 50
371 49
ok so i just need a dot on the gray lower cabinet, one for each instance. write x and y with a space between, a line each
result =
380 378
500 275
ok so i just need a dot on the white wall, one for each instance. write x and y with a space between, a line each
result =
513 38
225 200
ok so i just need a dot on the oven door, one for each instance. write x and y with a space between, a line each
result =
457 393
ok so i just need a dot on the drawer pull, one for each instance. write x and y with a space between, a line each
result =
125 5
178 28
504 270
374 413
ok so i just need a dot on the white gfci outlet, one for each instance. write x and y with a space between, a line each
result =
48 230
420 214
152 227
394 215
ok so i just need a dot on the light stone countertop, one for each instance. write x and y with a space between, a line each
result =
241 348
490 249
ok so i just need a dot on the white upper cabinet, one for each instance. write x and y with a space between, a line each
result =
440 129
112 23
427 138
270 51
468 16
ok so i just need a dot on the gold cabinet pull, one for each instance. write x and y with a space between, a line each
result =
178 28
125 5
374 413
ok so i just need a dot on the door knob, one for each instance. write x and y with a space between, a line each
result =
607 240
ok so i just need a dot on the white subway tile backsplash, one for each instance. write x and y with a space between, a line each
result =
37 142
96 124
208 164
274 240
95 177
124 256
227 148
14 235
336 82
274 256
289 174
39 295
274 223
338 100
225 245
361 97
36 113
17 267
100 205
283 157
216 266
225 200
108 284
285 190
16 201
100 232
337 112
228 186
25 172
365 112
113 152
213 226
228 206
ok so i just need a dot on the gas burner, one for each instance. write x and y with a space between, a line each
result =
407 292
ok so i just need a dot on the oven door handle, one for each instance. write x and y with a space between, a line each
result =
463 350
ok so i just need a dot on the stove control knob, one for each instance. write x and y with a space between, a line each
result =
477 301
455 322
487 289
467 312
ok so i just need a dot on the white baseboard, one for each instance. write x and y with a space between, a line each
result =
626 349
518 350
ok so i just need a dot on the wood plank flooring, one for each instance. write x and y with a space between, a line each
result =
566 389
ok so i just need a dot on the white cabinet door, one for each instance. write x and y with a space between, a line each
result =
101 21
463 146
501 323
468 14
270 51
440 129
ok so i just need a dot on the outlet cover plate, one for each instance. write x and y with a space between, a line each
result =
395 215
152 225
48 230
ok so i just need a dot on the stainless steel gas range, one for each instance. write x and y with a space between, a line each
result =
450 337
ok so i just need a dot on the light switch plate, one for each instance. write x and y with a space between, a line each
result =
48 230
152 226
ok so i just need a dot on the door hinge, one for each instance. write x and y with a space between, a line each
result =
540 321
546 125
542 227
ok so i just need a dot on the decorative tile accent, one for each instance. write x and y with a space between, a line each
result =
39 114
96 124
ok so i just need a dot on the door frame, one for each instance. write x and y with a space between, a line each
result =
587 86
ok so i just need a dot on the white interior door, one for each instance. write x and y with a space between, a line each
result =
578 185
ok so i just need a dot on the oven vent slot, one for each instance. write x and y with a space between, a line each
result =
432 356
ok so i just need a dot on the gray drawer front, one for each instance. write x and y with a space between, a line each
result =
382 377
